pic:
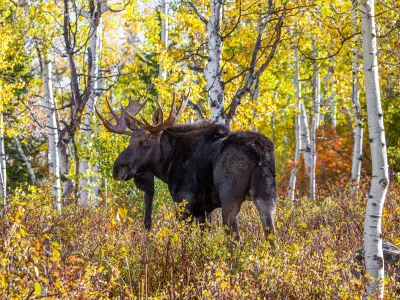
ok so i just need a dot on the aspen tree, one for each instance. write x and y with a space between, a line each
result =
358 130
164 32
94 17
292 181
305 145
332 99
212 72
3 166
380 176
52 129
262 54
314 121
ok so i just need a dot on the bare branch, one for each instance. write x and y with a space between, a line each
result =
254 75
196 108
204 20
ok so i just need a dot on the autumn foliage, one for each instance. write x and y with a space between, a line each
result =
105 252
334 158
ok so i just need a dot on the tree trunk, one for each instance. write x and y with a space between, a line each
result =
313 156
254 98
3 171
89 183
25 159
305 145
314 122
380 176
164 32
332 101
212 72
293 175
67 184
358 130
52 130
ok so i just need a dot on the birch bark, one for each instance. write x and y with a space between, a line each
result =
66 183
314 122
164 32
212 72
3 166
358 130
380 176
293 175
332 101
88 182
305 144
52 129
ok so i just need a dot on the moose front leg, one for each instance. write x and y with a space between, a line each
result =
145 182
148 201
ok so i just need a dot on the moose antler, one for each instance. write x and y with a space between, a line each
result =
121 127
162 125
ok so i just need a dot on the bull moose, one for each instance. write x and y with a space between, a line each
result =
203 163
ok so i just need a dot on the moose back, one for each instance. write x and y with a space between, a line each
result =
203 163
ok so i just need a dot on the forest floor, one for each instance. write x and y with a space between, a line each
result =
105 252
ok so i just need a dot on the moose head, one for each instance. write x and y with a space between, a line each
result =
143 150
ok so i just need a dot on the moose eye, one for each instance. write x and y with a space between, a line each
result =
144 143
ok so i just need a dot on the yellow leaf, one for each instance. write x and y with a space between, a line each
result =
122 212
37 289
22 231
36 244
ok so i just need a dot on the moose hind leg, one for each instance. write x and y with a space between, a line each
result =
229 217
231 193
263 194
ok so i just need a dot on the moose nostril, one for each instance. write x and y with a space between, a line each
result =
119 173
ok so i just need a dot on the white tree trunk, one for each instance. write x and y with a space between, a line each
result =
89 183
332 101
313 156
164 31
212 72
358 130
318 99
305 145
293 175
25 159
3 171
316 85
380 175
314 122
52 130
66 183
313 135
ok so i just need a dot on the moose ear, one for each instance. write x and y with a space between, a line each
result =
158 116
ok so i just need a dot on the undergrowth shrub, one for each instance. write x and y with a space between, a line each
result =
105 252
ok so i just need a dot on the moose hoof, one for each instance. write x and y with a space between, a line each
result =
147 225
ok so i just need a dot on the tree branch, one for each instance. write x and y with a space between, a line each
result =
196 108
254 75
204 20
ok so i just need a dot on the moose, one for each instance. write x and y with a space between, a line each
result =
203 163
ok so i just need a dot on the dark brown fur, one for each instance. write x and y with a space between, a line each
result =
208 166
